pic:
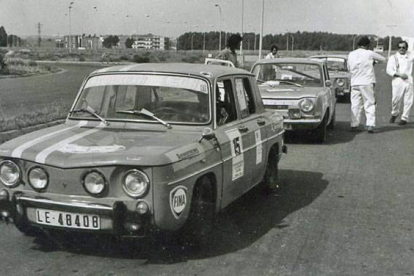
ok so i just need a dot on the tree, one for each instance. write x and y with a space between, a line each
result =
3 37
110 41
129 42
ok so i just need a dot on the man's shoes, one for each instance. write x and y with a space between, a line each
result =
402 122
392 119
354 129
370 129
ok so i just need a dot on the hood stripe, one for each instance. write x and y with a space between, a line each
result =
17 152
41 157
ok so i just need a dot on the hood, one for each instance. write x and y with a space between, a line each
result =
82 144
339 74
288 91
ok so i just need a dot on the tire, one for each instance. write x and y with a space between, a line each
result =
200 221
320 131
271 177
331 125
27 230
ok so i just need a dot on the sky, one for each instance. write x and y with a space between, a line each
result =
175 17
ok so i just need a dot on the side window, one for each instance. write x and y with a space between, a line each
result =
245 97
225 104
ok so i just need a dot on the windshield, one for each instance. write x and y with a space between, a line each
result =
334 63
297 74
145 97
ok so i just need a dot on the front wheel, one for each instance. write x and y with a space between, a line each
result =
331 124
271 176
320 131
26 229
201 218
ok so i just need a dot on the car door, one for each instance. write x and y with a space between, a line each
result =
252 129
230 140
238 135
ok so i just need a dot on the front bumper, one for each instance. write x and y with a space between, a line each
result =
301 124
114 216
340 91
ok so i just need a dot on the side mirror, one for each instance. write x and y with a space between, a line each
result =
328 83
208 134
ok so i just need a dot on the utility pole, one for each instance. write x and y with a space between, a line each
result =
39 31
261 30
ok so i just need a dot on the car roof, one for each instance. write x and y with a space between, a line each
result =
329 55
193 69
289 60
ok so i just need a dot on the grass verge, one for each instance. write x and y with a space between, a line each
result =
54 111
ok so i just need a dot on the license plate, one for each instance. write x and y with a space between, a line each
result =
68 220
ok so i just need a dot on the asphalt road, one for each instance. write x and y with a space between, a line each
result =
348 209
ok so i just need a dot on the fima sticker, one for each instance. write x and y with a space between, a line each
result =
178 200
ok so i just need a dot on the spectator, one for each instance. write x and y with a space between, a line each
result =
229 53
273 52
400 68
361 66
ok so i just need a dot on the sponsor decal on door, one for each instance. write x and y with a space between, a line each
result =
236 145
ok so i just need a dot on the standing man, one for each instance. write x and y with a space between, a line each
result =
273 52
229 53
361 66
400 68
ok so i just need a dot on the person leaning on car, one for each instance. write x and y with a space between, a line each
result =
361 66
229 53
400 68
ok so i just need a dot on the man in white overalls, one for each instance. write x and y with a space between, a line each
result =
400 67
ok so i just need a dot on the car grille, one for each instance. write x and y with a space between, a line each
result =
279 107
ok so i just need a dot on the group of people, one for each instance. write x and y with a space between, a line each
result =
361 67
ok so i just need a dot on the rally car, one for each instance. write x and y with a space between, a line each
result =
340 76
300 89
145 147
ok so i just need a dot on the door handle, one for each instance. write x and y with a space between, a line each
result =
261 122
243 129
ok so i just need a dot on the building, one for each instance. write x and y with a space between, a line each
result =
82 41
145 42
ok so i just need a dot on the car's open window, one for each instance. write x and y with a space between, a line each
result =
244 96
174 99
225 103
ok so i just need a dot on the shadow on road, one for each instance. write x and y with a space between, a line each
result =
340 134
239 226
394 127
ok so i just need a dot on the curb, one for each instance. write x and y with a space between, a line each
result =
11 134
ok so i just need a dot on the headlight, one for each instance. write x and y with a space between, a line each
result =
38 178
340 82
9 173
306 105
135 183
94 182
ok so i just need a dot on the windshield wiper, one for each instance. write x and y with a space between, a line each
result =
90 110
146 113
290 82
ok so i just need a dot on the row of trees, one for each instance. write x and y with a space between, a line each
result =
298 40
9 40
